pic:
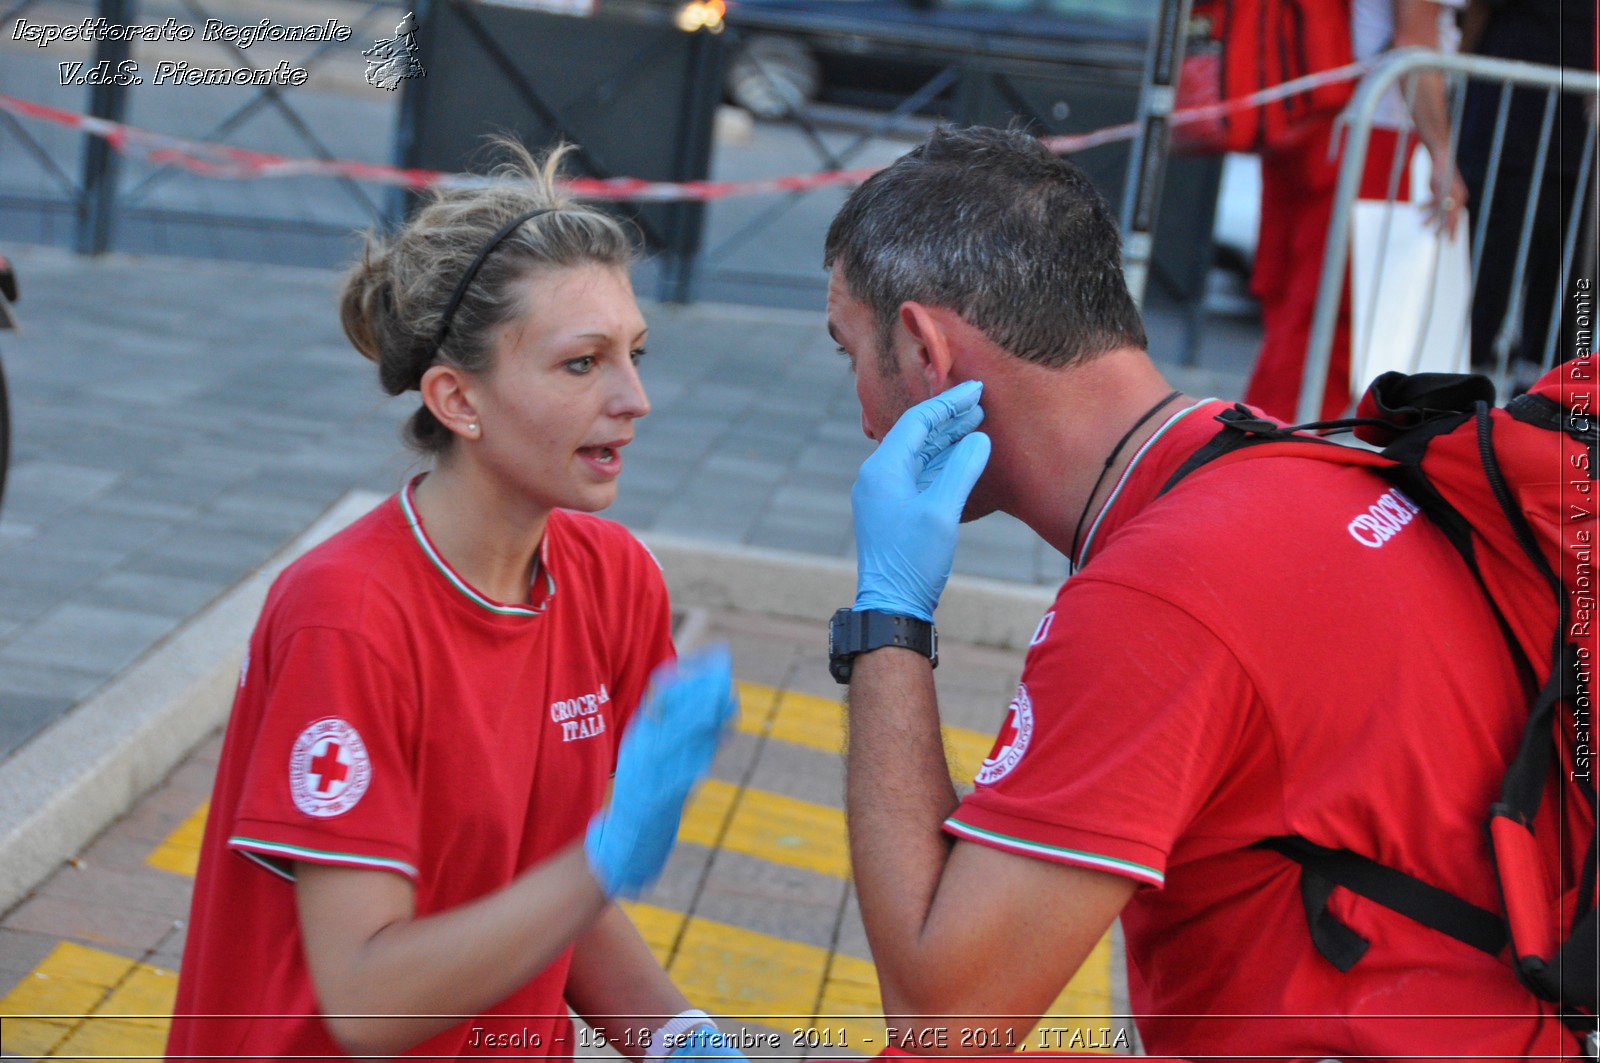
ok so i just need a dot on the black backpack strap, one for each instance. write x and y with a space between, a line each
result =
1541 411
1429 905
1241 428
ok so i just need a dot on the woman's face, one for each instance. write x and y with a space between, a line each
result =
558 401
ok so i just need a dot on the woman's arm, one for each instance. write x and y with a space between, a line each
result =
618 987
369 955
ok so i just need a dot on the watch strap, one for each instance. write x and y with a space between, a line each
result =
852 632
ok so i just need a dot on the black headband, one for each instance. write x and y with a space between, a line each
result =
472 271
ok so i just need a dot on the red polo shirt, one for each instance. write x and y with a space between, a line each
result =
1279 646
390 716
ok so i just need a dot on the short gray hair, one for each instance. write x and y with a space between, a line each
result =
990 224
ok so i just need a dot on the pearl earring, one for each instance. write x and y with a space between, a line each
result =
473 427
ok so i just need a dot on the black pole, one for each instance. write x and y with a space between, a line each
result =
1147 163
702 94
108 99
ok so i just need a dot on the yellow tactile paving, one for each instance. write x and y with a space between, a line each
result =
73 985
741 973
818 723
729 970
782 830
180 851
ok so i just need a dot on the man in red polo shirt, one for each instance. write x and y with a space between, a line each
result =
1276 647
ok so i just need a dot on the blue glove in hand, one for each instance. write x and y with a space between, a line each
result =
665 751
908 499
704 1042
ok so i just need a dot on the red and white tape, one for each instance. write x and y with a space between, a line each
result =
234 163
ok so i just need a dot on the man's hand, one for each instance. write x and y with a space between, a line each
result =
908 499
666 750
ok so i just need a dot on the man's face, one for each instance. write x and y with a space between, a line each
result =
885 392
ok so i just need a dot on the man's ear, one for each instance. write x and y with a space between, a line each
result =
931 344
446 391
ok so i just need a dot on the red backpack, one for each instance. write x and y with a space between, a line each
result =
1513 489
1239 47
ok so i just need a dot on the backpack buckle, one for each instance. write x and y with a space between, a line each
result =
1238 417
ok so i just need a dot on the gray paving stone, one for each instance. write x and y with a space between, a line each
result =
802 773
769 898
170 596
87 637
206 554
96 531
52 568
26 678
826 504
22 603
804 534
122 502
682 878
36 489
24 715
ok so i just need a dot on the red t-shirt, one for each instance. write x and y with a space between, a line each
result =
390 716
1278 646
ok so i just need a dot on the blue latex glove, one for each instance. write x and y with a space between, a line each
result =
666 750
908 498
704 1042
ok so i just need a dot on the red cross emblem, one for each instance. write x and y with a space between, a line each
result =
1008 733
329 769
1012 741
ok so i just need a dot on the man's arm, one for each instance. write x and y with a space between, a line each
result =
963 930
957 930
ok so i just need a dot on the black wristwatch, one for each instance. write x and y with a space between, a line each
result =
850 633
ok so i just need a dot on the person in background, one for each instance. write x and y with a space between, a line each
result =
1297 189
405 852
1555 33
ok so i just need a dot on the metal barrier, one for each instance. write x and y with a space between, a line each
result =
769 251
1566 277
147 206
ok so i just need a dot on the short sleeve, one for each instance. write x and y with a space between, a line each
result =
331 778
648 640
1126 718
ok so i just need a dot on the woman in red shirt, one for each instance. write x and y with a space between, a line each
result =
405 852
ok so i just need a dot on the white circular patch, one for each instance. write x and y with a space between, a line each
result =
1012 741
328 768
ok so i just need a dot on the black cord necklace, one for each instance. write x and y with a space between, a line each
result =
1111 460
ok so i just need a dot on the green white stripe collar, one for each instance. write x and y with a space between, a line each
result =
483 601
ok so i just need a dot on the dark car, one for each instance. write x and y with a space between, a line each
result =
877 52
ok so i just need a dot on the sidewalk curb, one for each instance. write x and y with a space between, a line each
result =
78 776
795 586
